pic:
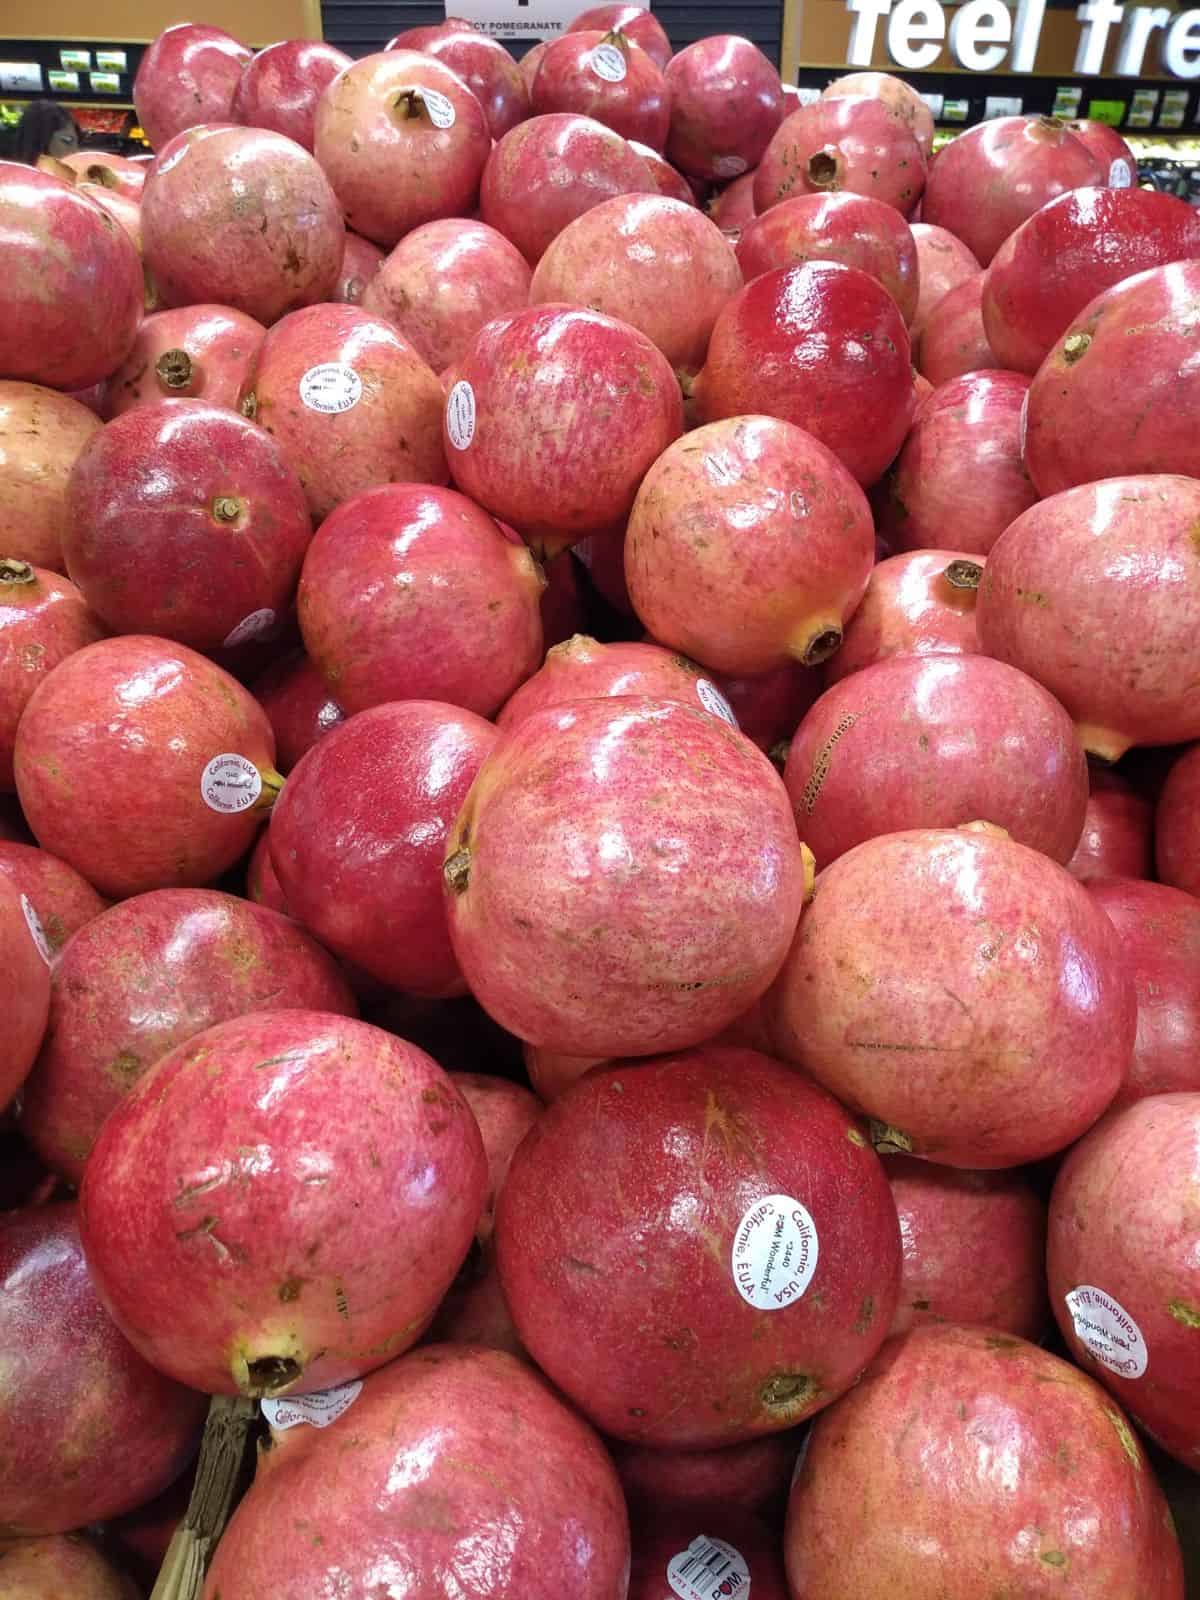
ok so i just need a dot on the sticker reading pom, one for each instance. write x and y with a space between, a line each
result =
713 700
775 1252
331 387
317 1410
230 783
1120 174
38 934
608 62
460 415
439 107
1107 1331
730 166
251 627
709 1569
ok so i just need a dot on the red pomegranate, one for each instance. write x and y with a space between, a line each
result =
787 548
726 103
299 704
603 559
41 434
418 38
768 707
146 977
109 171
1006 1473
443 282
850 228
986 181
403 140
901 99
954 341
73 283
188 75
852 143
43 618
361 260
42 1569
923 741
349 402
1116 159
210 1159
1075 586
1118 832
1122 1266
530 63
280 87
710 1550
659 265
26 958
771 1191
944 263
696 903
73 1380
733 207
636 22
752 1477
584 669
262 882
62 900
981 965
448 1425
552 169
490 73
820 345
667 179
552 1073
555 417
607 77
128 212
144 765
922 603
413 593
191 353
1177 836
563 606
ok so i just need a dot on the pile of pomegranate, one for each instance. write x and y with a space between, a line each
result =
599 839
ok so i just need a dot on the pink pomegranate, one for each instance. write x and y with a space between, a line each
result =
109 171
62 900
1079 582
659 265
667 180
771 1189
752 1477
550 170
768 706
986 181
280 87
1117 392
361 260
555 417
418 38
24 959
921 603
786 554
960 469
852 143
899 745
490 73
635 22
43 618
974 1248
60 1566
605 76
563 605
209 1159
1121 1262
91 1430
530 63
822 346
192 353
1006 1473
403 140
526 1476
262 882
299 705
944 263
41 434
188 75
413 593
585 669
983 965
726 103
1118 832
128 212
954 341
1177 836
349 402
144 765
146 977
73 286
733 207
681 952
552 1073
714 1549
1116 159
901 99
443 282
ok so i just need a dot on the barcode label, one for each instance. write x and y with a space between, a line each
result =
709 1569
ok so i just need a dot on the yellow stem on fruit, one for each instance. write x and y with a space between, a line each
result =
982 826
1103 743
809 863
815 640
272 787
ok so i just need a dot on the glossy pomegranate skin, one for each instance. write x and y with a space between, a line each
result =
1110 627
64 901
582 668
822 346
670 1536
1177 836
1118 832
41 434
361 260
28 977
934 924
667 179
901 99
572 78
726 103
300 707
109 171
1121 1221
932 1510
200 352
188 75
552 1072
262 881
42 1569
635 22
953 342
753 1476
418 38
279 88
733 207
852 143
769 706
128 213
1117 160
912 608
944 262
491 74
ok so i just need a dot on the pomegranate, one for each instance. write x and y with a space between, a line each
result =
733 207
603 559
637 23
43 618
188 75
403 140
1118 831
41 434
820 345
192 353
299 705
921 603
901 99
768 707
1116 159
661 266
770 1188
981 963
1075 588
944 263
585 669
128 213
1007 1472
530 63
604 76
443 282
726 103
535 1495
552 1073
490 73
1177 837
954 341
695 903
109 171
24 960
413 593
144 765
1121 1262
280 87
563 605
74 1381
990 178
46 1569
852 143
62 900
73 283
349 402
418 38
753 1476
550 170
666 179
710 1550
361 260
555 417
262 882
209 1159
146 977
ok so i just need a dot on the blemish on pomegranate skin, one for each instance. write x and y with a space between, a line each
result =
1185 1313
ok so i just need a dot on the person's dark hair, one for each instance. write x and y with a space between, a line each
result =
40 121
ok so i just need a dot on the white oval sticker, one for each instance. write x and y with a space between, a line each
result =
1120 174
713 700
331 387
439 107
775 1251
251 627
460 415
230 783
608 62
317 1410
709 1569
730 166
38 934
1106 1330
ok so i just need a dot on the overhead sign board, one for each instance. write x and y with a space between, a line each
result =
521 19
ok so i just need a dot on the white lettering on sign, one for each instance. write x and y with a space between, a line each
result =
980 34
916 32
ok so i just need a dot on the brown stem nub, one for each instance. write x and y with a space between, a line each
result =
13 573
222 1475
1075 346
963 574
272 788
821 647
408 104
824 168
104 176
457 871
227 508
249 407
889 1141
174 367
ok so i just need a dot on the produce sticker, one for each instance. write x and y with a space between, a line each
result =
1107 1331
316 1410
709 1569
775 1250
